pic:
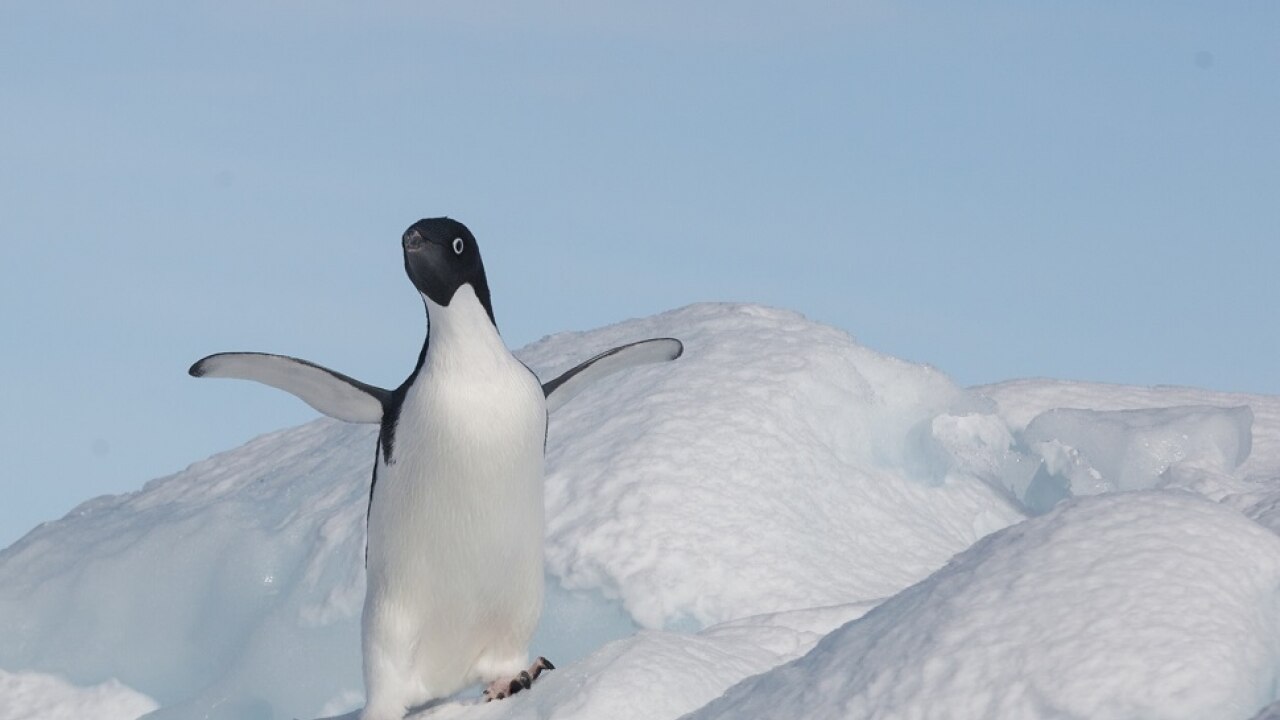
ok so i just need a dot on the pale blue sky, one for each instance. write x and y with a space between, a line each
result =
1075 190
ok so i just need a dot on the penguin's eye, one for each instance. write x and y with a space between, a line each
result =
458 246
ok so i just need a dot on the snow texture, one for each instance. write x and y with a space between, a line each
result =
680 489
662 674
1132 605
36 696
715 518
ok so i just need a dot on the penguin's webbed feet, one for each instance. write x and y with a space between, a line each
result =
506 687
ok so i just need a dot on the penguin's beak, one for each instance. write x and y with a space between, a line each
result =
413 241
426 266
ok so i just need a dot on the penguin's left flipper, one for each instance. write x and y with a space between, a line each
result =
332 393
560 390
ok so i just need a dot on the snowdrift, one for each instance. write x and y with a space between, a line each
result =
36 696
1131 605
709 521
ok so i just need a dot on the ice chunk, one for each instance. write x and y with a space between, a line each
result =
1150 604
1070 452
976 444
1086 452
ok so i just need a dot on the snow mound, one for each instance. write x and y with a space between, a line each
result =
768 469
36 696
681 488
217 582
1148 604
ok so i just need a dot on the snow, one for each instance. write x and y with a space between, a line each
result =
1150 605
211 584
679 490
36 696
662 674
709 520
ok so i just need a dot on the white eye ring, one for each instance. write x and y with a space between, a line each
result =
458 246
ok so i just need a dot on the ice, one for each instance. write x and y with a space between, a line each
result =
711 519
210 584
1020 401
1069 452
1086 452
1151 605
37 696
977 443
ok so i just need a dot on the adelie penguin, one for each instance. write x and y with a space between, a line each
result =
455 516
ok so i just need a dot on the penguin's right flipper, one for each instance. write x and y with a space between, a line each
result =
332 393
560 390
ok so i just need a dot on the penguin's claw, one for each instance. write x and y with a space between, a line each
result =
506 687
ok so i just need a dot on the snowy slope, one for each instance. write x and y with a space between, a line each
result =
36 696
1129 605
660 674
680 488
708 520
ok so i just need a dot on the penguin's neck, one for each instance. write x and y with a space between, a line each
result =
461 334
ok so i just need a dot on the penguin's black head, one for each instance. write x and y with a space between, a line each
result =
440 256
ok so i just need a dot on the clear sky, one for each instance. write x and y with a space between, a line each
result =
1068 189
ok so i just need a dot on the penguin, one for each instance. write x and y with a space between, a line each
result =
455 526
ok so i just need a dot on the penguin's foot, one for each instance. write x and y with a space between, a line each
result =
506 687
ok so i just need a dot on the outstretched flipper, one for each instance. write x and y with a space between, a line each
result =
332 393
560 390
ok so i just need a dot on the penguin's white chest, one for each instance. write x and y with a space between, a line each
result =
456 522
467 457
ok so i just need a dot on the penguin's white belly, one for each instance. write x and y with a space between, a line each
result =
455 536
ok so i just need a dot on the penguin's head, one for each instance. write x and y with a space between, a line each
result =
440 256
